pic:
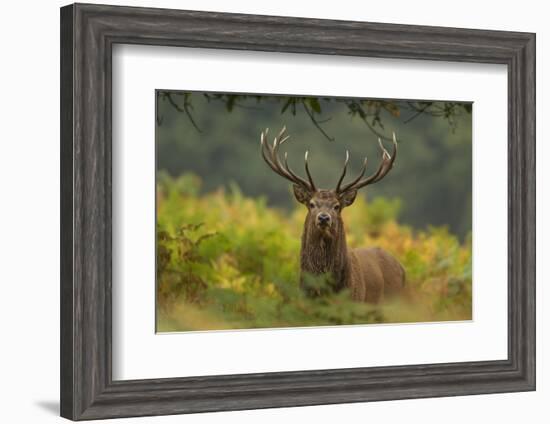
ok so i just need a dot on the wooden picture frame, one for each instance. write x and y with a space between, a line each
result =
88 33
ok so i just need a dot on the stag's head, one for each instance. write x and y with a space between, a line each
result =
324 206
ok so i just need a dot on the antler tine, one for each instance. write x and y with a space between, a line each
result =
352 183
307 171
390 160
270 154
286 171
282 132
383 168
265 146
291 172
343 172
281 138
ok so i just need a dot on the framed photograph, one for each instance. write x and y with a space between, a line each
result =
236 250
263 211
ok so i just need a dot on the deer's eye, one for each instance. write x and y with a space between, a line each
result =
337 207
311 205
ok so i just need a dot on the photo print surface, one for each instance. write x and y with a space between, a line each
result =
277 211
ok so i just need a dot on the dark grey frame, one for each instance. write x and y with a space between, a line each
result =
88 33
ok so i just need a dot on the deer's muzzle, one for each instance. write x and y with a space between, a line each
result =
323 220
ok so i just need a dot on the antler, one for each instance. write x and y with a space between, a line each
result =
270 153
383 169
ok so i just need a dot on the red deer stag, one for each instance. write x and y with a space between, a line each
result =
371 274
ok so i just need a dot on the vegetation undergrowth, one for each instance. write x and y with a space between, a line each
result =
226 261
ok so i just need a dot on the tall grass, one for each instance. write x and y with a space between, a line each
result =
226 261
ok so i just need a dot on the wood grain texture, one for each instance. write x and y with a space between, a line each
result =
66 214
88 33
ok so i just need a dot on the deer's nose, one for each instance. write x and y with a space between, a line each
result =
323 218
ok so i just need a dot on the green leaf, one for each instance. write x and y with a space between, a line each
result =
314 104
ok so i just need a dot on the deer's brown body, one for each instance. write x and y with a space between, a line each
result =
370 274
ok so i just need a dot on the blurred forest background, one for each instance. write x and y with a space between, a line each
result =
228 228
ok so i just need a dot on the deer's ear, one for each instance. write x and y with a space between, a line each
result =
348 198
303 195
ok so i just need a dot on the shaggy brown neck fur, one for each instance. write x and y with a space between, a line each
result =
324 253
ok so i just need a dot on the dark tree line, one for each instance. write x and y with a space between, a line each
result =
369 111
